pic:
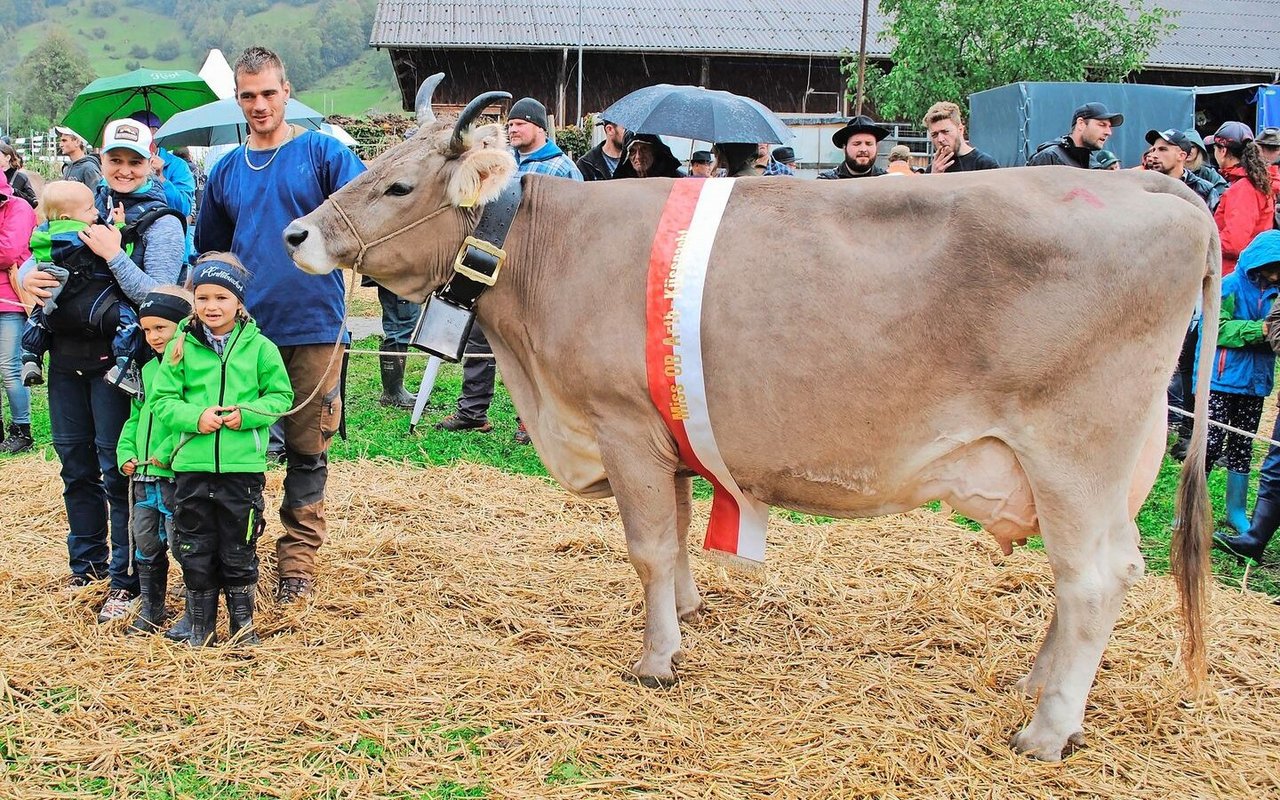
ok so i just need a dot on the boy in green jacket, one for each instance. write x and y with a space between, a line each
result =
221 385
143 454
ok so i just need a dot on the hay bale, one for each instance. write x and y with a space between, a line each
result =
472 627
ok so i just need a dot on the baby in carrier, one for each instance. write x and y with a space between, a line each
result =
87 302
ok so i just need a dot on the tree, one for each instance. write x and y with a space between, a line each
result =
51 75
949 49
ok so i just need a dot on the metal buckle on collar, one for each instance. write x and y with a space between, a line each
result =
470 250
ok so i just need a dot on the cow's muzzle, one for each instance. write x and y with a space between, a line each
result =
306 247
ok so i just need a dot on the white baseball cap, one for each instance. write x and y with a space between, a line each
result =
67 132
127 134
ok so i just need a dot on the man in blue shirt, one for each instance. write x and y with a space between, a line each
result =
284 172
527 131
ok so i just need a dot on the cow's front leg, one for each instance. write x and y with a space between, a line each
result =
1033 682
689 604
646 494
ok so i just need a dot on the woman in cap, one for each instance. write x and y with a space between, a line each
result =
1247 207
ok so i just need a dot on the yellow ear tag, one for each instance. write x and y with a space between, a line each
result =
470 201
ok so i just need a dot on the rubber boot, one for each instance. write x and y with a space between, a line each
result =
1249 545
153 578
202 608
393 391
181 630
240 614
1237 516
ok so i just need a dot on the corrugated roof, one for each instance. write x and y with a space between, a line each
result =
1240 35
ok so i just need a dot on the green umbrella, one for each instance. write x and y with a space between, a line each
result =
163 92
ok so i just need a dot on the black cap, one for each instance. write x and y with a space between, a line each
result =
1096 111
1103 159
1174 137
784 155
701 157
859 124
529 110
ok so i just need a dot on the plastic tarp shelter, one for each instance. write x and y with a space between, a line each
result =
1011 121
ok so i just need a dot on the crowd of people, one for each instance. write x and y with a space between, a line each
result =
172 378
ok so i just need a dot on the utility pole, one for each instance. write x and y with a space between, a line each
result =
580 35
862 59
7 95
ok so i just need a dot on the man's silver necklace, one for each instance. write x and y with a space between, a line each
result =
280 147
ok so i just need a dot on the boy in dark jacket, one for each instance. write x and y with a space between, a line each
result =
143 453
220 386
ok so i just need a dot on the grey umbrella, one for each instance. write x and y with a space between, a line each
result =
708 115
222 122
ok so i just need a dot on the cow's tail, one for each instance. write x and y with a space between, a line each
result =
1193 526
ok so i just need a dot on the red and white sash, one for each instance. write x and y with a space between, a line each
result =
673 356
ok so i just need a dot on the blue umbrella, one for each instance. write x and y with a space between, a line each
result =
692 112
222 122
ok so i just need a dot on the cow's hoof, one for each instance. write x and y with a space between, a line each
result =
650 681
1045 747
694 615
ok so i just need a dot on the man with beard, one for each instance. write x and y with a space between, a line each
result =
601 161
954 153
1091 126
860 141
281 173
1168 154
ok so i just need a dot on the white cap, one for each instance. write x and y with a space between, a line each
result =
128 134
68 132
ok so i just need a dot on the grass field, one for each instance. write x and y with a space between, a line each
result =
374 431
354 89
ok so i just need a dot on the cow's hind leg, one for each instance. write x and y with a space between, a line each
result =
1092 547
646 493
689 605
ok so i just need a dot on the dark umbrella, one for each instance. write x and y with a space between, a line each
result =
695 113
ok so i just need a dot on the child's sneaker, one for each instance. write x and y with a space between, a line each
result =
32 374
126 379
119 603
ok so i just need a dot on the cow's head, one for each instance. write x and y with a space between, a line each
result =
402 222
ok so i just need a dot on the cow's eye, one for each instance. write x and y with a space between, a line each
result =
398 189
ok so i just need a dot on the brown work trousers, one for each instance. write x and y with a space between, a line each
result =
306 438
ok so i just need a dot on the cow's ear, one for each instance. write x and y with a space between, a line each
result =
484 167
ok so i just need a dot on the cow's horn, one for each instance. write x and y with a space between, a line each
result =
472 111
422 103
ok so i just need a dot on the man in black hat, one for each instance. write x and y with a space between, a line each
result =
600 161
701 164
1091 126
1268 143
1169 153
860 141
780 162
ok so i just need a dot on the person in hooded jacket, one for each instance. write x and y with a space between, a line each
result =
1243 367
86 414
646 156
1249 545
11 163
81 165
1091 126
1248 206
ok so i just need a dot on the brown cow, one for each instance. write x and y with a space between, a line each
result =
1000 341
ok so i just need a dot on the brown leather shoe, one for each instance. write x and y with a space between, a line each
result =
453 422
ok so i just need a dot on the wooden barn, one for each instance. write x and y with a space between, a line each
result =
784 53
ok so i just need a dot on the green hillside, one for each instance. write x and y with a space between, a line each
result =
137 32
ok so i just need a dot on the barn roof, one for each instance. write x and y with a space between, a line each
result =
1212 35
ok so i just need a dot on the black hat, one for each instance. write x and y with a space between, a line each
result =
784 155
530 110
1103 159
1174 137
859 124
701 157
1096 111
